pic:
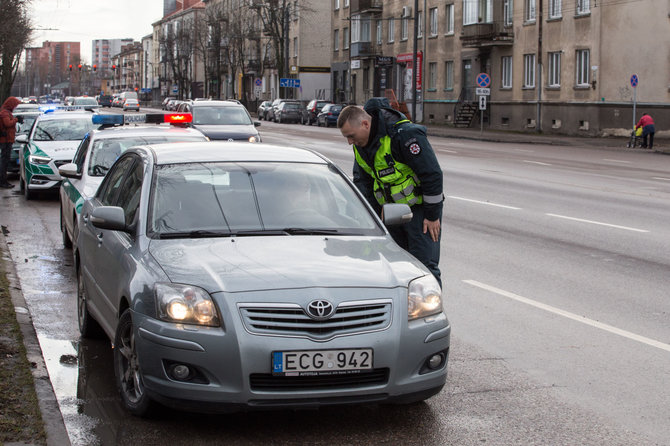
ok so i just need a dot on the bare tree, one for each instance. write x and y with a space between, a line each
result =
15 34
177 46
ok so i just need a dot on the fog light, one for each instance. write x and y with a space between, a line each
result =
435 361
180 372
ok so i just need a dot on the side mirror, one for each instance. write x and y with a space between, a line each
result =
257 123
69 170
396 214
109 217
22 139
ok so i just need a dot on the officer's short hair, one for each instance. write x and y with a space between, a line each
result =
353 114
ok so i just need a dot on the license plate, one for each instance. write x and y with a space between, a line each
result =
321 362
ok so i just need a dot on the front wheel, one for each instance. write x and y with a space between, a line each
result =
88 327
127 371
67 241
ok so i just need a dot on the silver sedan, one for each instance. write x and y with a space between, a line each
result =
234 276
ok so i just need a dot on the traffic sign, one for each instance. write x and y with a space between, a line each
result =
483 91
483 80
634 80
258 82
289 82
482 102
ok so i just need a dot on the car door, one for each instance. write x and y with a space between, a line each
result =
71 189
105 254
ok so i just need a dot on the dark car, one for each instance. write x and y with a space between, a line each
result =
263 109
271 114
312 111
105 101
222 120
329 114
289 112
23 128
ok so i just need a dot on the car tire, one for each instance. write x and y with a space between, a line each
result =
127 372
67 241
27 193
22 185
88 327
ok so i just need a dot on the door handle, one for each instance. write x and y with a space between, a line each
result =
99 237
85 218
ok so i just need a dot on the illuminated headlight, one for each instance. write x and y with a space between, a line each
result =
424 297
185 304
36 159
254 139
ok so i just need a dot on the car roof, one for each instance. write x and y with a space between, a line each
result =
142 130
219 151
215 103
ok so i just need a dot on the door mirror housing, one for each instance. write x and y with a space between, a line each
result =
396 214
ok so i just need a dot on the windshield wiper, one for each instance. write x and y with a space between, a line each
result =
201 233
304 231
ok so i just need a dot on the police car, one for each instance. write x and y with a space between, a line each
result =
51 143
101 147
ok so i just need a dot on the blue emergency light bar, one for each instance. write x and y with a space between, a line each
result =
149 118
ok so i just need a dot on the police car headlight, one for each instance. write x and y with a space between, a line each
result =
424 297
185 304
36 159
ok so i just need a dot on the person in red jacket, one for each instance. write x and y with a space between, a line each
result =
648 129
7 135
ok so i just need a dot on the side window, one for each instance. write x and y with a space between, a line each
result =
113 182
129 196
82 150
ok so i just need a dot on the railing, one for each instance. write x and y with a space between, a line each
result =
362 49
480 34
365 5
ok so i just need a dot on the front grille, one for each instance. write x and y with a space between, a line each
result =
267 381
291 320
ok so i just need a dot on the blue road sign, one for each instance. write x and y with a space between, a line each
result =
483 80
258 82
634 80
289 82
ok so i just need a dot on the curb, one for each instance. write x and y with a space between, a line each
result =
54 426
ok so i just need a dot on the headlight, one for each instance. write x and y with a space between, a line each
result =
185 304
36 159
424 297
253 139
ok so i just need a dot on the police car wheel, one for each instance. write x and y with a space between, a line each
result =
29 194
67 242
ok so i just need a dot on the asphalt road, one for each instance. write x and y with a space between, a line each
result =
555 269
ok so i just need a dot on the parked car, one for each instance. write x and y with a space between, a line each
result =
279 287
131 104
312 111
105 101
262 109
96 154
117 101
222 120
165 102
87 102
329 114
289 112
271 114
27 106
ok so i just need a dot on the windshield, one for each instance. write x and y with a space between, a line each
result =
255 199
106 151
62 129
221 116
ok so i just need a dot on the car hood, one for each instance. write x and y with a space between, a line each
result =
224 132
282 262
58 150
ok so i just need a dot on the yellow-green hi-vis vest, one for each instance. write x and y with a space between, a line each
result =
394 181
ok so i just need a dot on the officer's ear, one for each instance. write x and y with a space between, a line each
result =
365 123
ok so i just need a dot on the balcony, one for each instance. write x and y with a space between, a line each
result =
362 50
487 34
366 5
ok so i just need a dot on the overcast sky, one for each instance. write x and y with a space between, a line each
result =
86 20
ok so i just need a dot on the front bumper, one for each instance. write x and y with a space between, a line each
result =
233 371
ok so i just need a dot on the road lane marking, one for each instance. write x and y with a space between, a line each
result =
597 223
616 161
536 162
574 317
484 202
524 150
660 178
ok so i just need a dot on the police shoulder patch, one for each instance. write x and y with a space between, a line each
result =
414 149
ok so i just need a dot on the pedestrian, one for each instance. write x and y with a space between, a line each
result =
7 135
648 129
395 163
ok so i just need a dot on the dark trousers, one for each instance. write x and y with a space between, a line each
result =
6 153
411 238
649 131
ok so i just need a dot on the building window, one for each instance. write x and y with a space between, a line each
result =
506 71
450 19
295 47
477 11
555 9
420 27
529 71
360 29
337 4
449 75
582 68
346 3
583 6
432 75
554 70
336 40
529 11
404 24
433 22
508 12
345 31
391 30
379 32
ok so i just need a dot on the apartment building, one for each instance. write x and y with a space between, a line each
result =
102 51
561 66
127 74
47 66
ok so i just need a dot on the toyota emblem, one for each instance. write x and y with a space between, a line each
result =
320 309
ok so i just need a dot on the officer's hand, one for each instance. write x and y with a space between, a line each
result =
433 228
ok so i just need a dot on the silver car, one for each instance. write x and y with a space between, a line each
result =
236 276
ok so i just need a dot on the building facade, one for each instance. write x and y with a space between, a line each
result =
48 65
102 52
126 75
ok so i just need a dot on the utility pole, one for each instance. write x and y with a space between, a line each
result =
414 64
538 118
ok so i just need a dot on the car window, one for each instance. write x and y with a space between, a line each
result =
129 196
62 129
291 106
80 155
113 183
221 116
27 125
235 197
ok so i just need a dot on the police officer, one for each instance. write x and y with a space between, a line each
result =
395 163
